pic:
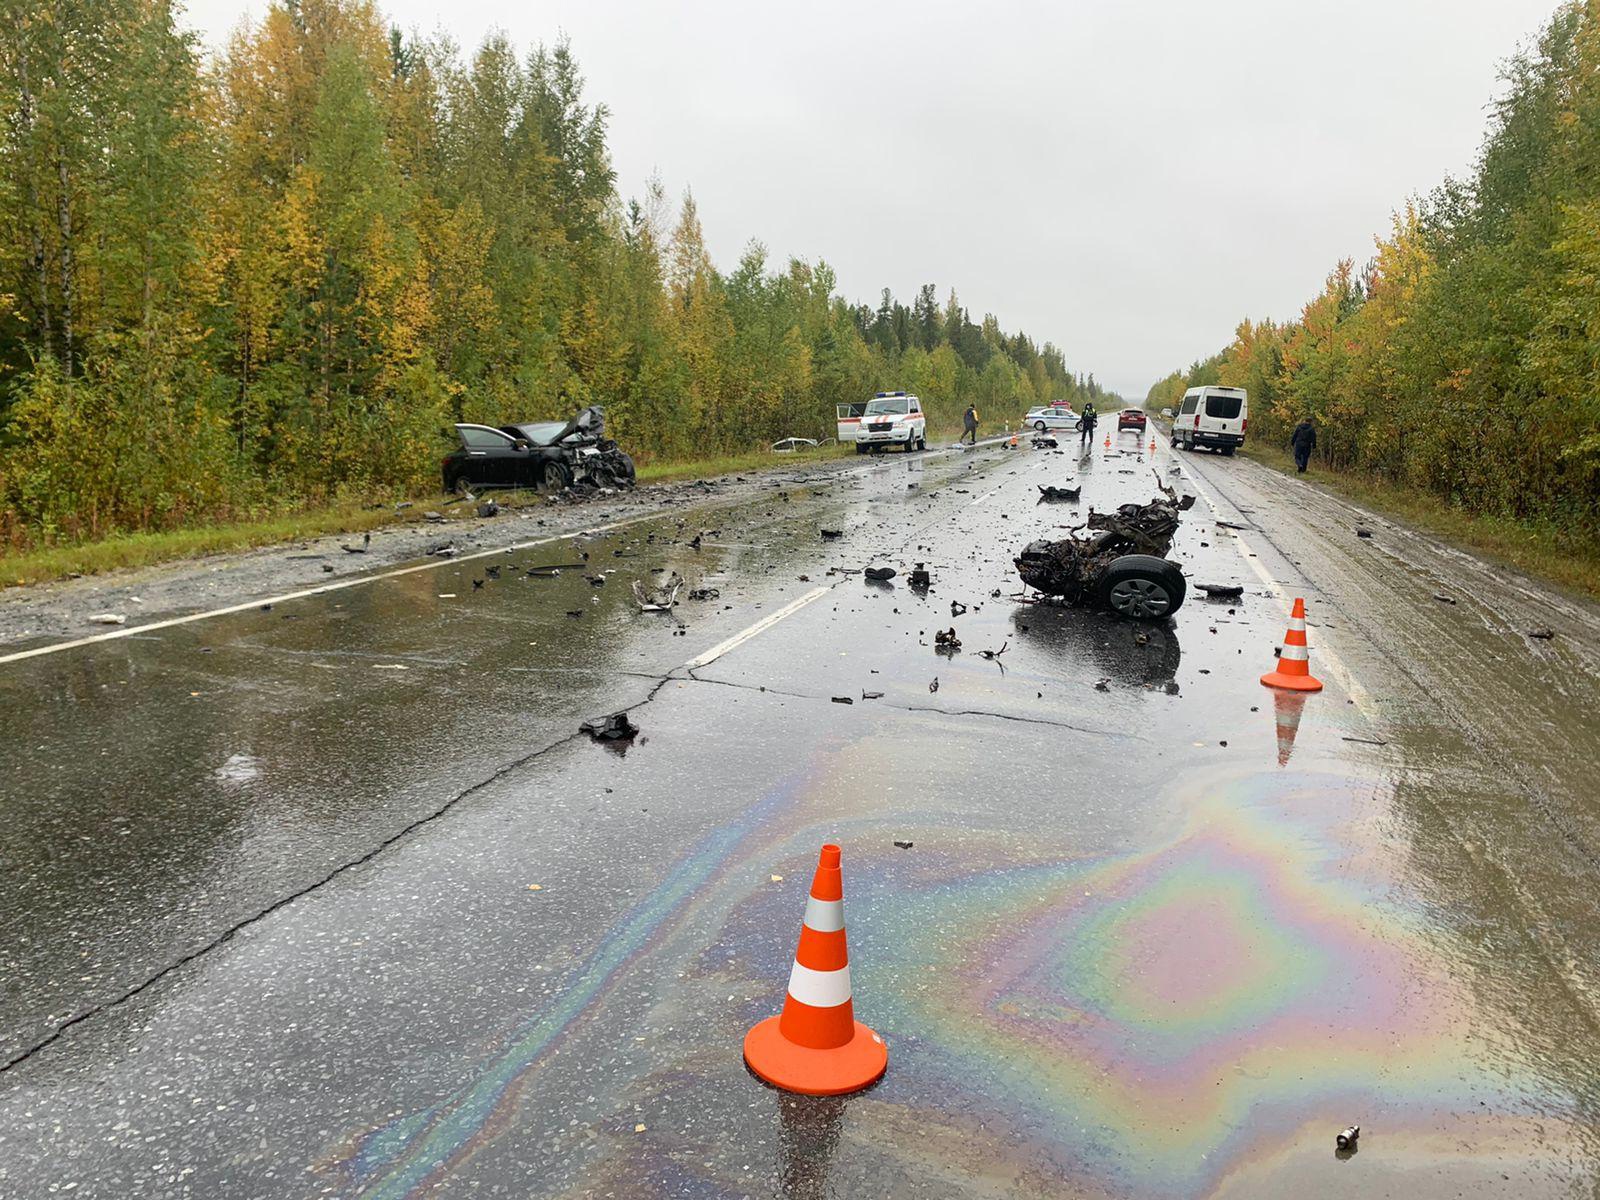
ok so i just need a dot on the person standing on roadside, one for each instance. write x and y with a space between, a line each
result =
1304 441
969 424
1086 423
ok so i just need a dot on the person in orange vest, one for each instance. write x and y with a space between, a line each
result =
969 421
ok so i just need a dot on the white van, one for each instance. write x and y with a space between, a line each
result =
1212 416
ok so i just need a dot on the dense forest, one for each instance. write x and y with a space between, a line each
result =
274 279
1464 359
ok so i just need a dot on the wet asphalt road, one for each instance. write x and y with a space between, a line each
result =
331 899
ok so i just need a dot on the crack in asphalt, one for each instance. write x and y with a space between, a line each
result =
921 708
676 673
228 934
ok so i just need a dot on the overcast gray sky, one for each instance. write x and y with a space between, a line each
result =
1126 180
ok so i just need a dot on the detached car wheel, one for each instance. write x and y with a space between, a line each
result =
1143 587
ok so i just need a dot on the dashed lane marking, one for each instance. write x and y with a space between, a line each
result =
744 635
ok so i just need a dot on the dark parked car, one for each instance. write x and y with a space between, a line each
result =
548 455
1130 418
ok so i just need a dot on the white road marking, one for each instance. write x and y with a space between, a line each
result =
321 590
1332 663
744 635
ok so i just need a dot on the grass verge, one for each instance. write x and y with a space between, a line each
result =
123 551
1559 556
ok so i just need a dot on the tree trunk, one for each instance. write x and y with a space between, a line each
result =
41 267
64 214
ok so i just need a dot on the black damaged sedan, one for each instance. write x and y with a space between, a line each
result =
547 455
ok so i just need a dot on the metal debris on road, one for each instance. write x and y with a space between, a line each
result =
1543 635
879 574
902 845
108 619
829 534
705 593
1221 591
366 540
1049 494
1363 533
1347 1139
946 640
872 695
660 594
919 579
616 727
844 700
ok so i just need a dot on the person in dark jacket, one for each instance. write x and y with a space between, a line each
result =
1304 441
1086 423
969 423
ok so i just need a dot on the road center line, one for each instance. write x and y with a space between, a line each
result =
744 635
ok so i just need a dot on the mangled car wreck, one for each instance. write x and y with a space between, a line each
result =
548 455
1116 559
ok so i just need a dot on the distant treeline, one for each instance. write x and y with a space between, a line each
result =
272 280
1464 360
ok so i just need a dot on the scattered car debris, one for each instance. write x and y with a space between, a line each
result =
435 518
660 594
1364 741
872 695
489 508
1221 591
1443 599
1103 686
844 700
1544 635
919 577
1043 441
934 686
366 540
957 608
899 845
616 727
1363 533
1230 525
443 551
327 568
1049 494
829 535
992 654
946 639
879 574
107 618
705 593
1347 1139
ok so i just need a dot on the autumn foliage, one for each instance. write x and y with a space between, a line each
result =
272 280
1464 360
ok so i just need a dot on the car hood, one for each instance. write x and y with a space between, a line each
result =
589 422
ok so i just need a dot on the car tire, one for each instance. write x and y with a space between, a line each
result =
625 472
557 477
1227 451
1142 587
1040 427
462 486
860 449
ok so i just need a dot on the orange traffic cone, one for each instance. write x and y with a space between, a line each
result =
1108 439
1152 445
1287 707
817 1046
1294 668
